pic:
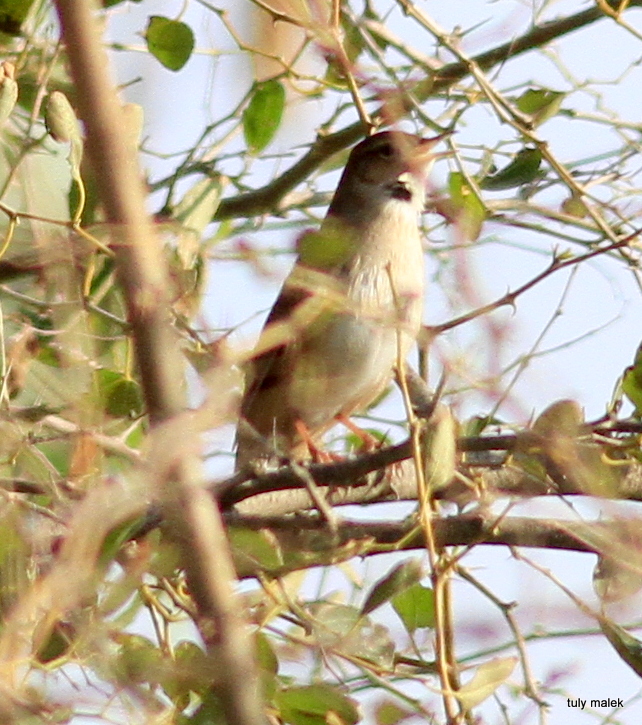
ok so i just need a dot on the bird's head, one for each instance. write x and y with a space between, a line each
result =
388 165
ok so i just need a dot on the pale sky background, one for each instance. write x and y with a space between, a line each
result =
603 295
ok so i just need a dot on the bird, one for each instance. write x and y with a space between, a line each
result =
349 311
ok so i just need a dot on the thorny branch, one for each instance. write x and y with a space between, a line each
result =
509 298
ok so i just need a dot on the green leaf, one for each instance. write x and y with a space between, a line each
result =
355 443
12 14
170 41
121 396
615 579
166 559
138 660
262 117
255 549
8 98
330 246
399 579
14 560
540 103
440 448
57 644
192 672
523 169
390 712
485 681
312 704
266 659
353 42
476 425
415 607
561 418
62 125
353 45
197 208
469 209
115 539
574 206
268 665
628 647
382 40
210 712
632 383
60 118
344 630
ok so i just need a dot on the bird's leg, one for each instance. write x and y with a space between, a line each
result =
368 441
317 454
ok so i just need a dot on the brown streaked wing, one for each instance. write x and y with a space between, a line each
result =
267 368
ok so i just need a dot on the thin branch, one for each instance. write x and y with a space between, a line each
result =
509 298
530 684
111 444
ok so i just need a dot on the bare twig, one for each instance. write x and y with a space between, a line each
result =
530 684
509 298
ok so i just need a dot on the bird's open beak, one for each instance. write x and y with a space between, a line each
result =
426 145
421 157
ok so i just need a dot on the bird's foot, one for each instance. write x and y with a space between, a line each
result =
369 442
317 454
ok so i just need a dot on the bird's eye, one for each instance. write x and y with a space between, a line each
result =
386 151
